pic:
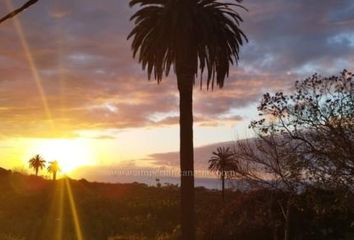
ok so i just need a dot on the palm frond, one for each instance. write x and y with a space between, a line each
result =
222 160
194 35
37 162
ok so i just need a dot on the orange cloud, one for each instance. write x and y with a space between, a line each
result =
91 81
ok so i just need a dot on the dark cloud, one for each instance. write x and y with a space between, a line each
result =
161 165
201 156
91 81
288 36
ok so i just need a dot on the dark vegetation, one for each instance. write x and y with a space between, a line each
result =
29 209
30 206
303 158
320 214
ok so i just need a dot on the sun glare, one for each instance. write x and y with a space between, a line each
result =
70 154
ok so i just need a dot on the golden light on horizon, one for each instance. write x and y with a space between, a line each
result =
70 153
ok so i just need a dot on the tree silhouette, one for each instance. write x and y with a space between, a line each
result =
190 36
317 119
54 168
37 162
270 161
304 138
222 162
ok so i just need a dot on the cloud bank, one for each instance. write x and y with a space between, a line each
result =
91 82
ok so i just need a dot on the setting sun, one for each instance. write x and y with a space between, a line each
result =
70 154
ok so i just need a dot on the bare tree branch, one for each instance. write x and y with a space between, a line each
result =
18 10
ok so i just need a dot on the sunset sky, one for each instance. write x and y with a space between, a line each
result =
71 91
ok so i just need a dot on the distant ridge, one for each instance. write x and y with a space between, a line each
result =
4 171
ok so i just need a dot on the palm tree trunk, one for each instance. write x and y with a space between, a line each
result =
36 171
185 87
54 176
223 186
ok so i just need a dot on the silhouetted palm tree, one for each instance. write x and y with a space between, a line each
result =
54 168
37 162
222 162
190 36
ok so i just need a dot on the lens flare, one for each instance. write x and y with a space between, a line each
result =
73 208
32 65
59 230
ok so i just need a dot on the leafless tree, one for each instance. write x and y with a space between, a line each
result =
306 137
268 161
318 119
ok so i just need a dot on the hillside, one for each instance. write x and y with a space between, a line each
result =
33 208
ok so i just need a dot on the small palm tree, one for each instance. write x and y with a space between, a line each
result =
190 37
222 161
37 163
54 168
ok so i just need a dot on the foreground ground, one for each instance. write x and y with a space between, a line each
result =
32 208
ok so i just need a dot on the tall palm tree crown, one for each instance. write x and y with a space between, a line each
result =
37 163
192 34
